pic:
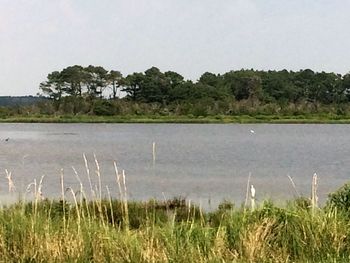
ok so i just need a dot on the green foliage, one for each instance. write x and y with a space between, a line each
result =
103 107
302 203
340 199
170 231
226 205
115 79
4 112
11 101
77 90
282 87
133 84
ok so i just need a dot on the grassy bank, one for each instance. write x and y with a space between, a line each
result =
172 231
321 118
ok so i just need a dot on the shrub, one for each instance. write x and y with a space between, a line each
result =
340 199
103 107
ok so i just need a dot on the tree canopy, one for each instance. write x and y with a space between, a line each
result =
167 88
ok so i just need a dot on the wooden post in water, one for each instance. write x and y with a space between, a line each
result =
154 152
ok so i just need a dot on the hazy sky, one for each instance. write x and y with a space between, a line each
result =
186 36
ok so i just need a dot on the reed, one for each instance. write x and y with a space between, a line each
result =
268 234
314 197
11 185
103 229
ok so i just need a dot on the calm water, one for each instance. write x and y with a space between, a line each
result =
205 163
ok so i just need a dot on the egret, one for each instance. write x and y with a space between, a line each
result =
252 131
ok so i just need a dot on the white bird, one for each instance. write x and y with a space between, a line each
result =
252 131
252 191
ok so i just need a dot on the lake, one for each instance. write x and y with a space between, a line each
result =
205 163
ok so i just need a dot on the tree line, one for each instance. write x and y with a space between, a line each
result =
97 87
18 101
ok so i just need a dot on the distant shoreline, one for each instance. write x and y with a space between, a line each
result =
219 119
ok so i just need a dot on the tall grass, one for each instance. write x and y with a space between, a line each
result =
103 229
57 231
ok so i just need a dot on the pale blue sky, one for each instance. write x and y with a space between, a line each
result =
187 36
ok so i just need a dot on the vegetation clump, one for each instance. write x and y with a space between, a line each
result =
105 230
252 95
340 199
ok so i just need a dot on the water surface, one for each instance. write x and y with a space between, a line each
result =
205 163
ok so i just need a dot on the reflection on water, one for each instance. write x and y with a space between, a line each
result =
200 162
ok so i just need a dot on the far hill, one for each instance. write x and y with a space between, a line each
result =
9 101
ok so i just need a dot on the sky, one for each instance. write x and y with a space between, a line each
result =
186 36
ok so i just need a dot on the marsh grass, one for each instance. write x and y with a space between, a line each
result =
82 227
240 118
168 231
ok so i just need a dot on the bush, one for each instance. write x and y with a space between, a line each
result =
340 199
4 112
103 108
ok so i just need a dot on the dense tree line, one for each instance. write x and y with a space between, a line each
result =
95 89
18 101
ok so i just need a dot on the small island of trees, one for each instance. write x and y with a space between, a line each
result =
94 90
